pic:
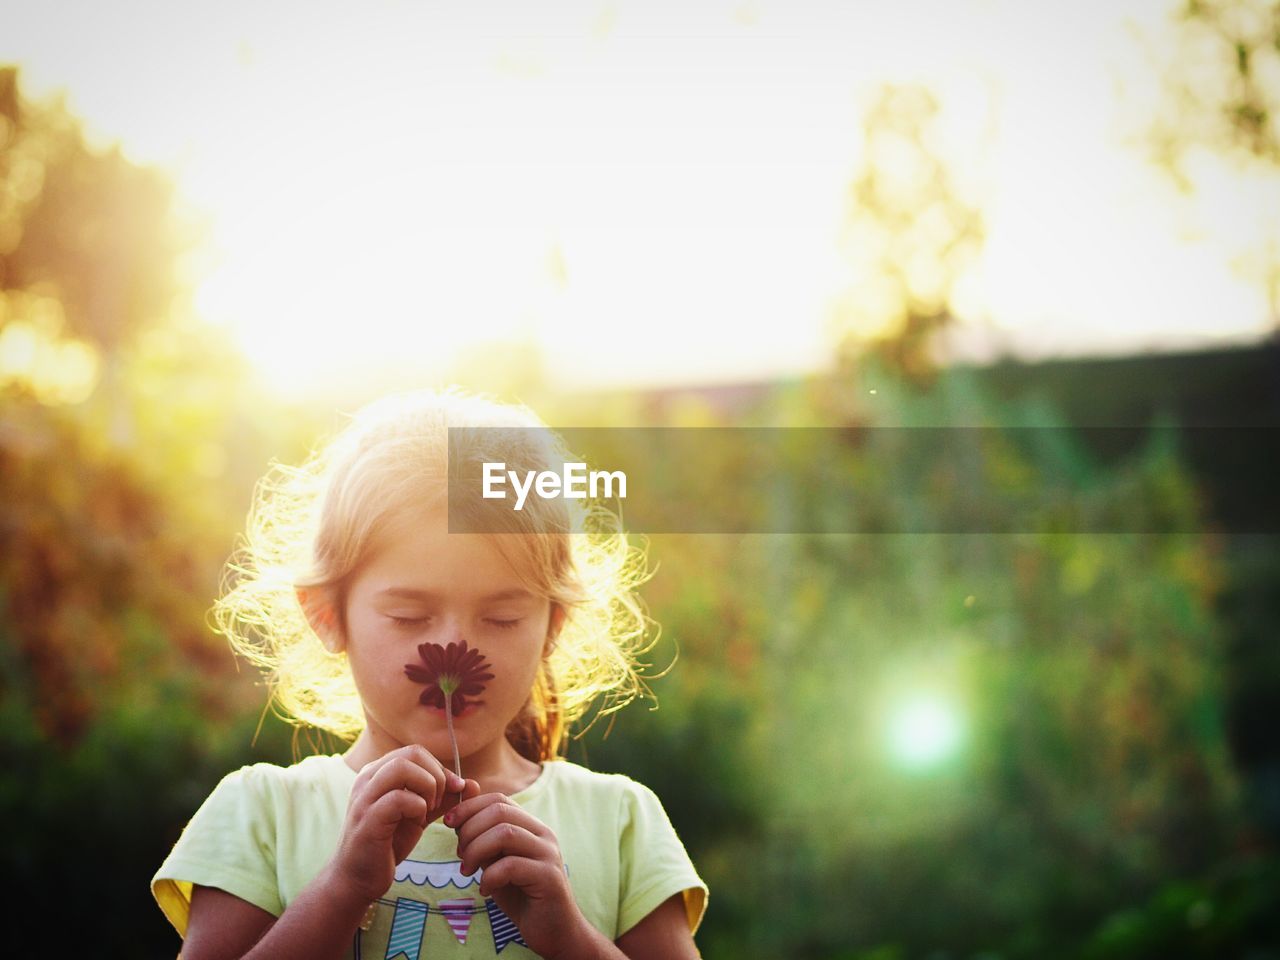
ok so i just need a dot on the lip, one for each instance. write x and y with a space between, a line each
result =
464 712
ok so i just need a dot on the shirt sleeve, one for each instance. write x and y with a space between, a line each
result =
653 862
229 843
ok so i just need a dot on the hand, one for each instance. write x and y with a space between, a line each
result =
394 799
523 871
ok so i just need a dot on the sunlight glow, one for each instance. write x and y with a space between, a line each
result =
401 183
924 730
36 353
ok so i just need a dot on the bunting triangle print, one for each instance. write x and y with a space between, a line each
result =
457 913
504 929
407 926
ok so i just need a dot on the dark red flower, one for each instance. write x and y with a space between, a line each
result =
452 671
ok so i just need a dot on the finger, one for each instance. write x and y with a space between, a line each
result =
472 805
365 773
389 810
520 872
502 840
403 773
417 753
453 798
444 777
492 809
412 752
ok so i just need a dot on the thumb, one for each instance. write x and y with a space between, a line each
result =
470 789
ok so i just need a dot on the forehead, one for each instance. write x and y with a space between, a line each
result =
418 559
402 592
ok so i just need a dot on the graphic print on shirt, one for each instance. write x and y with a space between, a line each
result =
434 910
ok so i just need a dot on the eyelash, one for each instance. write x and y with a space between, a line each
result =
411 621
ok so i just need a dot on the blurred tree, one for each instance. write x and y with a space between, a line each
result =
119 499
908 236
1084 671
1219 80
1217 70
89 245
92 229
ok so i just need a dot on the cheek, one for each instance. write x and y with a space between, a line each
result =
379 671
371 683
526 670
515 666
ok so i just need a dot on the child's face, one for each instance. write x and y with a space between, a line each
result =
461 578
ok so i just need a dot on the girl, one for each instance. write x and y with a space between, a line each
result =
363 608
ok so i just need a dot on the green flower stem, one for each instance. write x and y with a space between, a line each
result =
448 717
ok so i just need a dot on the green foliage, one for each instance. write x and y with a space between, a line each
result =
1086 671
1232 908
119 710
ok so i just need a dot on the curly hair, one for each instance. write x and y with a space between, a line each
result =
313 526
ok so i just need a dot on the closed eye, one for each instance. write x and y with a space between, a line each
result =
407 621
413 621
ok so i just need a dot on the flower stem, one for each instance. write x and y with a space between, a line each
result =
448 718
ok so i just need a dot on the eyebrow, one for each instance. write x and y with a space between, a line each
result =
410 593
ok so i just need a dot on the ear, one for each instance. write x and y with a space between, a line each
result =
322 617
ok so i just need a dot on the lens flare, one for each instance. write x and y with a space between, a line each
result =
924 730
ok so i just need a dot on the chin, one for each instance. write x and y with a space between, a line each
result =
435 737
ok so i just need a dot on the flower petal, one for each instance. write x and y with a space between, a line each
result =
418 673
431 697
455 671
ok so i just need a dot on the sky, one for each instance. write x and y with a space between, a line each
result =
653 193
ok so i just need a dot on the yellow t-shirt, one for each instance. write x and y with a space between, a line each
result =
265 831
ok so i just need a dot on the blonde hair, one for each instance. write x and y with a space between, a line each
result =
314 526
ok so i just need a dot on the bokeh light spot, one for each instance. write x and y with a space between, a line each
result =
924 730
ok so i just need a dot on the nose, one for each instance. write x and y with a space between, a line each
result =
445 629
449 628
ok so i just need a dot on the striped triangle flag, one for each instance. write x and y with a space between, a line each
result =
504 930
458 914
407 925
